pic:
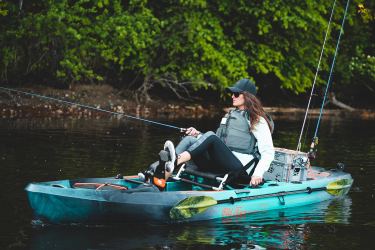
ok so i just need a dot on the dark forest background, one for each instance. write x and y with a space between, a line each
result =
184 46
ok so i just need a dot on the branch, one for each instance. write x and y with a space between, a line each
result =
170 80
175 91
364 83
333 100
133 81
28 70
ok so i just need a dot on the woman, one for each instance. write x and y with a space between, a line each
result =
231 148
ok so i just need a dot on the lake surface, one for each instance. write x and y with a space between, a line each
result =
36 149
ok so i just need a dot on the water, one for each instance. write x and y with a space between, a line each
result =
35 148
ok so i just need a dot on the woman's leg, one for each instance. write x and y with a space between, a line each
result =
184 156
185 143
221 158
181 158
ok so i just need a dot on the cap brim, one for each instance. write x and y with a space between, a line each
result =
233 89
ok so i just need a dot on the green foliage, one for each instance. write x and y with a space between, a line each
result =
356 50
80 39
193 45
198 42
2 11
366 13
362 66
278 37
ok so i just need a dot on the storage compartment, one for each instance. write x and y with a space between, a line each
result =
279 169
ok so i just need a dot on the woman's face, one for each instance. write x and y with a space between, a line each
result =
239 101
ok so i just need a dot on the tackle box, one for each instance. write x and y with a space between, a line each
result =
278 171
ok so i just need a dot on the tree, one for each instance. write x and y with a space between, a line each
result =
136 44
353 80
191 46
79 40
3 12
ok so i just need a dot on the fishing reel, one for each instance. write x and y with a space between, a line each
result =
312 154
304 162
301 162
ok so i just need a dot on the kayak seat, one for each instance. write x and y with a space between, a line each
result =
190 168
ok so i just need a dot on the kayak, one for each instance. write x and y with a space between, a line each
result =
122 200
292 230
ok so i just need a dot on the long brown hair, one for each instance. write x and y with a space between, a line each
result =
253 106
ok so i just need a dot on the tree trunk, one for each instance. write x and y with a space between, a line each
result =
332 99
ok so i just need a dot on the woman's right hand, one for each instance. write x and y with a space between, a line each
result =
192 132
255 180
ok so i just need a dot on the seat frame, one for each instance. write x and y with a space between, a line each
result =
221 178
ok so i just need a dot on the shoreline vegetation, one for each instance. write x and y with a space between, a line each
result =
181 51
14 104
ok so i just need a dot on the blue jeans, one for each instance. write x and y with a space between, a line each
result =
185 144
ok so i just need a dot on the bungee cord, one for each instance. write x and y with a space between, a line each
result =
316 75
115 113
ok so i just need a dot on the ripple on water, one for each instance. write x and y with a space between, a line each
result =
39 149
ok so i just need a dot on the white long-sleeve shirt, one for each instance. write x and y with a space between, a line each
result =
262 133
264 143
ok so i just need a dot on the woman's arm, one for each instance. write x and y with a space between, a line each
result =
265 146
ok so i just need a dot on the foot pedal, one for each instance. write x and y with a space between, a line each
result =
164 156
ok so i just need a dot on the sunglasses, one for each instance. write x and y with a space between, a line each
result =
237 94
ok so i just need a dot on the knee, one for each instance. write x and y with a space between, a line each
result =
210 133
187 141
210 137
191 139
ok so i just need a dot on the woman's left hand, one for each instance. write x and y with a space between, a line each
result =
192 132
255 180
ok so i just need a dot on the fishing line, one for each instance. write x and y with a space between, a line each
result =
330 74
316 75
158 128
139 126
128 116
308 124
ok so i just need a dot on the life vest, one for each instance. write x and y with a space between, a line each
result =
234 131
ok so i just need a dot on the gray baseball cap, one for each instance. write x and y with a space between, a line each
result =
243 85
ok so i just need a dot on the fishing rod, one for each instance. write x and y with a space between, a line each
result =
316 75
312 154
115 113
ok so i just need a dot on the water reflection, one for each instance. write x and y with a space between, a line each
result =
62 147
289 228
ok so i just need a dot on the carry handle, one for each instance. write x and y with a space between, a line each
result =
242 191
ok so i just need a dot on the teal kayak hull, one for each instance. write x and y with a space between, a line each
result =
57 202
